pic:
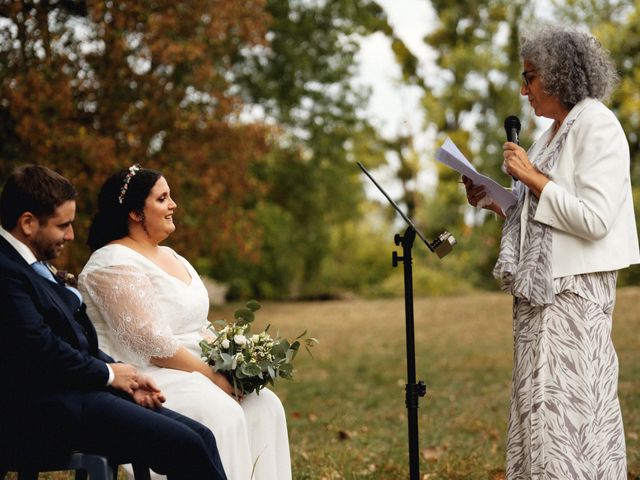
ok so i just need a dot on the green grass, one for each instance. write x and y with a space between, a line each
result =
346 412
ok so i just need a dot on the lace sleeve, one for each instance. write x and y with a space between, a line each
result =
125 299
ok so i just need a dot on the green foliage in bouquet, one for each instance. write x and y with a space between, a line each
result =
250 361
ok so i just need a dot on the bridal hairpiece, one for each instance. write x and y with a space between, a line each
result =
133 169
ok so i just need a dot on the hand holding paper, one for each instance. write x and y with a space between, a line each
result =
449 155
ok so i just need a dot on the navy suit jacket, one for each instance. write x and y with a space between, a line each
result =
48 345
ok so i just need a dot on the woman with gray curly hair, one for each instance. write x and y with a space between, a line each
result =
571 229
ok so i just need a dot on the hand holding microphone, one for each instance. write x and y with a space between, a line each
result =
512 128
516 160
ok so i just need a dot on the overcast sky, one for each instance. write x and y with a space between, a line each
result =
394 108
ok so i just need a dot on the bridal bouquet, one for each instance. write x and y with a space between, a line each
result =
250 360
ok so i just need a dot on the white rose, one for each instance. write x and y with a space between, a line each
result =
225 343
240 339
255 338
237 360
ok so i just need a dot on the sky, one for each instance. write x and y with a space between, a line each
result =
393 107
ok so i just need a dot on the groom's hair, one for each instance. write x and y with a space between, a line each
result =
111 222
35 189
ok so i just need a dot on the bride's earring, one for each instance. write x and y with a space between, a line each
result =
141 219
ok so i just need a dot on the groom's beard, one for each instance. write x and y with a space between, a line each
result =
45 248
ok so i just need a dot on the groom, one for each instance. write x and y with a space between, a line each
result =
60 392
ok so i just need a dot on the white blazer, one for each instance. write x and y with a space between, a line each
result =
588 202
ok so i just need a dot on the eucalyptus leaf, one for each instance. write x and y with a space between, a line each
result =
206 348
227 360
244 316
253 305
250 369
280 348
286 371
291 354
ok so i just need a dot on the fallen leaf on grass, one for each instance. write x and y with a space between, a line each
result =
432 454
371 468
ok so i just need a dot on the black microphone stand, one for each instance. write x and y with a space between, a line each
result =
442 245
413 390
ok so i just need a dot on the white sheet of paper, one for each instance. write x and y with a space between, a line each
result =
449 155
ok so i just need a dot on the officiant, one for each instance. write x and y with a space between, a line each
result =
570 231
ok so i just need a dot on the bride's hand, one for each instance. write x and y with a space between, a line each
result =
222 382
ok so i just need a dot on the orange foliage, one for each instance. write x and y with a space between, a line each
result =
142 82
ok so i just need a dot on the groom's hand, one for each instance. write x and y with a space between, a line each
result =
148 394
126 377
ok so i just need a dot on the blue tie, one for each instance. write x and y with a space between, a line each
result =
43 270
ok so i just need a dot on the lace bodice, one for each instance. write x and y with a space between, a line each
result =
139 310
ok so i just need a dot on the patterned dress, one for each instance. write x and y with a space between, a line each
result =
565 420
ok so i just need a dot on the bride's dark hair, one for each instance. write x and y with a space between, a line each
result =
123 192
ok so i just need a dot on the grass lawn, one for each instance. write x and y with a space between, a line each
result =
346 412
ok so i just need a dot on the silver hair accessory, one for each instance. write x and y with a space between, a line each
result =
133 169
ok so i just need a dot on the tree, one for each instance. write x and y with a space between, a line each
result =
87 87
301 79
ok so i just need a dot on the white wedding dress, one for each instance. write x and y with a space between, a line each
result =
140 311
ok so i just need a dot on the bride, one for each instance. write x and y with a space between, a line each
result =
150 308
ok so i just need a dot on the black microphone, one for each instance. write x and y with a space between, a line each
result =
512 127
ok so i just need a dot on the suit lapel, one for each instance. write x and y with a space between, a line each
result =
61 298
56 294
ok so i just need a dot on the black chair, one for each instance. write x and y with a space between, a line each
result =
96 466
